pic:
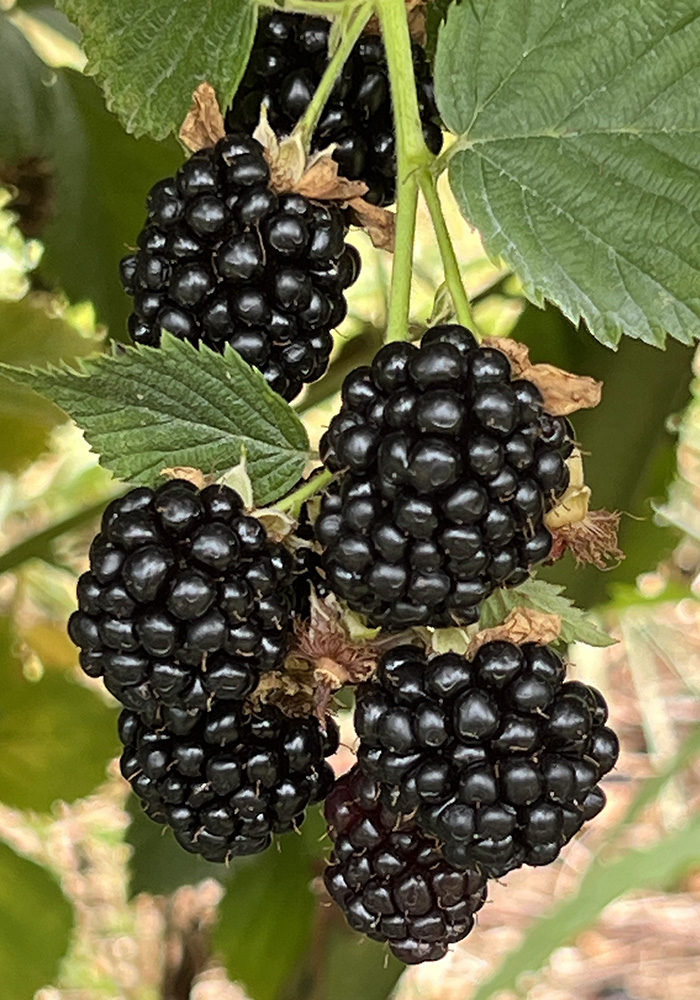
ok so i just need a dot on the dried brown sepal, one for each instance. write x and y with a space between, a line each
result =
279 526
204 123
592 540
195 476
521 625
322 182
562 391
315 176
379 223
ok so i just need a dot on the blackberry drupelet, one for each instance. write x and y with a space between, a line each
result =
499 758
186 601
224 260
448 465
389 878
289 56
234 781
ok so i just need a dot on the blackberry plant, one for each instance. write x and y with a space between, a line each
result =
499 758
286 65
223 259
447 466
231 632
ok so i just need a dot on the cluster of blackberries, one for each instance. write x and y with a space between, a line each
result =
186 603
224 260
390 879
289 57
498 758
447 466
236 778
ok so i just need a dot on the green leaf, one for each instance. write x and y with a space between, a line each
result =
100 175
56 737
150 58
628 446
576 626
36 926
267 914
658 867
578 156
144 409
32 335
158 864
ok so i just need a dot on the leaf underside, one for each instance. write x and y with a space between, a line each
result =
578 155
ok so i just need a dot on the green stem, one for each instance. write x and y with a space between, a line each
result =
39 546
353 26
293 503
453 274
411 155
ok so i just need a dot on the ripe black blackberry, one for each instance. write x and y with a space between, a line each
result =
236 780
289 56
499 758
224 260
448 466
186 600
389 878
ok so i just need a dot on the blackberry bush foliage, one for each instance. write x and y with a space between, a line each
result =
498 758
223 259
234 781
186 601
447 467
289 57
389 878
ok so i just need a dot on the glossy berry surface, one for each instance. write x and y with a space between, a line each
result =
289 56
390 880
447 467
186 601
498 758
236 779
224 260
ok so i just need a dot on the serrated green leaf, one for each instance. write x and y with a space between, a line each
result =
576 626
144 409
56 737
578 158
99 174
151 57
266 916
36 926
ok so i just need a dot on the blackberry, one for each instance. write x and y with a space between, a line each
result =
289 56
186 601
236 780
499 758
224 260
389 878
448 465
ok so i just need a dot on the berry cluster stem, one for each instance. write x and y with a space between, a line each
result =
354 20
453 275
293 503
412 155
316 8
